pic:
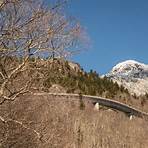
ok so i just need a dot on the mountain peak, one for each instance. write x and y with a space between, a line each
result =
129 66
131 74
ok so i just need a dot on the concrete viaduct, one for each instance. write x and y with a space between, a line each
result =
129 110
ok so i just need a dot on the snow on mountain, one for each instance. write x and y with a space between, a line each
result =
131 74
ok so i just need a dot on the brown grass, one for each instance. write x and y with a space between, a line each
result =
63 125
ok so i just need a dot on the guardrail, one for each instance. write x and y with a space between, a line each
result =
105 102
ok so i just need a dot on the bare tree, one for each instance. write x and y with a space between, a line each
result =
23 28
66 36
29 28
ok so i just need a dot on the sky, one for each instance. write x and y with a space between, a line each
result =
118 30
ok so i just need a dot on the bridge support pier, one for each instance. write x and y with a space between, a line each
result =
97 106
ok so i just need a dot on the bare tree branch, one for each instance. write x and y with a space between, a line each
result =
39 135
2 75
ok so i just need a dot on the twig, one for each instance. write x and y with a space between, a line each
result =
21 123
13 96
2 75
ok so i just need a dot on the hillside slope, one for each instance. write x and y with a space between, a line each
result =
58 122
59 75
42 74
47 121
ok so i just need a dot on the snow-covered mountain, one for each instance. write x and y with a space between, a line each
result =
131 74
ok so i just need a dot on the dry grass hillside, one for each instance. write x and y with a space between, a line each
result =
46 121
57 122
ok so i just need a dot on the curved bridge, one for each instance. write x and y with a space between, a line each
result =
105 102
